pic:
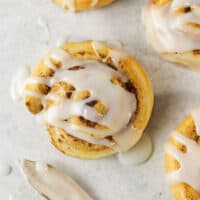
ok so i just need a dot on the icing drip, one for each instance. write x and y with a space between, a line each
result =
196 117
175 26
45 27
115 55
63 40
70 4
52 183
94 3
17 83
139 153
189 171
120 103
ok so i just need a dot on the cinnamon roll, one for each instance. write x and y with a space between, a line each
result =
173 27
182 158
81 5
94 100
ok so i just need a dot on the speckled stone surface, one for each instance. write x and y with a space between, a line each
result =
24 41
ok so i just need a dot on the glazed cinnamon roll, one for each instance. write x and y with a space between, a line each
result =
94 100
81 5
173 27
182 158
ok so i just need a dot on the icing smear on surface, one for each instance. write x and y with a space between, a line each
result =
17 83
118 104
189 171
51 183
45 26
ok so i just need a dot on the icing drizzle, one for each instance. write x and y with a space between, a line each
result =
174 27
96 78
189 171
196 117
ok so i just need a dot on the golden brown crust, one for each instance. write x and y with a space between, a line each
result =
74 147
81 5
160 2
189 59
136 74
182 191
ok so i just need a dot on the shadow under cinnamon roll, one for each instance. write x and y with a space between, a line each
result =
173 27
95 100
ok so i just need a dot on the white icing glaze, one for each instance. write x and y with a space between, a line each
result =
189 171
115 55
169 31
5 169
32 93
139 153
196 117
52 183
94 3
70 4
127 138
63 40
40 118
44 25
116 44
121 103
17 83
100 88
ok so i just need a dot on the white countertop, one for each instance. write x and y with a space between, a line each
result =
23 41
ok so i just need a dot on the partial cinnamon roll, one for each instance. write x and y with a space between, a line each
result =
182 158
94 100
173 27
81 5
